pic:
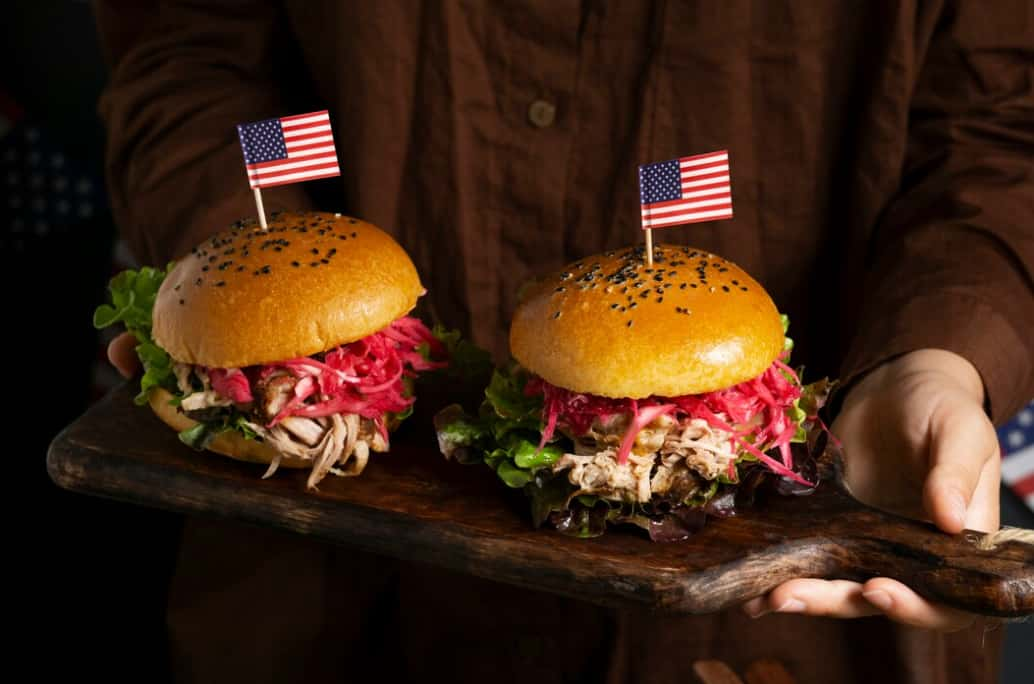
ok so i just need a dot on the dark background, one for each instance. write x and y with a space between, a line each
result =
90 575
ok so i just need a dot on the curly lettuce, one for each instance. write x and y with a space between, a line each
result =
132 295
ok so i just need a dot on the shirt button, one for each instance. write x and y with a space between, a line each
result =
541 113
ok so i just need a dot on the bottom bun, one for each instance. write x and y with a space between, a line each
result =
231 444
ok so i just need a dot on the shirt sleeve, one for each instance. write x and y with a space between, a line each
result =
182 76
950 265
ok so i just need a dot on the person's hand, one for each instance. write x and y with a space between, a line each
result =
916 442
122 355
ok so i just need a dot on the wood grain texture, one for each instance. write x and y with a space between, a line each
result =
413 505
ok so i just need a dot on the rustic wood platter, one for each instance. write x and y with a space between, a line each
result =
413 505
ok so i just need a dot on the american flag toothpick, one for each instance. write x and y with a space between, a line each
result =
684 190
1017 444
287 150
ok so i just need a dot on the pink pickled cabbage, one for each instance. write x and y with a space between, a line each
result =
365 377
755 412
231 383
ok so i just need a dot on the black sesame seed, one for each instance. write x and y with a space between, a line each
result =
633 305
295 264
671 273
735 282
315 251
682 286
629 324
240 268
198 281
693 285
743 288
660 299
355 234
332 252
644 294
181 301
221 283
315 263
725 287
613 306
324 261
204 268
556 315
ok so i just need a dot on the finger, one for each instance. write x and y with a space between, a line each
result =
901 604
122 355
962 442
828 598
984 512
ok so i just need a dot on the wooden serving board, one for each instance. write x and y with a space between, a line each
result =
414 505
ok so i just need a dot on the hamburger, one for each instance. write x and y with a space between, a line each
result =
647 396
290 346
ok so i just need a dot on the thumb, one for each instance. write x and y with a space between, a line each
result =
122 356
962 441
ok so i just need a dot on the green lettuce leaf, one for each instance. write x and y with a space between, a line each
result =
201 435
132 294
504 435
469 364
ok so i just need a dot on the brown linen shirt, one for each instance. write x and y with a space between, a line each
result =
883 189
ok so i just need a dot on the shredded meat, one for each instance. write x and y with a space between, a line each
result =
273 393
338 443
337 440
669 459
308 431
600 474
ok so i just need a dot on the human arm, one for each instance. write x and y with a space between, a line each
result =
182 75
941 347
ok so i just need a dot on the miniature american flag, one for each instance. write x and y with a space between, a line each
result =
289 149
685 190
1017 442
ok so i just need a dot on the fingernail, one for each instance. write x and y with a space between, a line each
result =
792 606
880 599
755 609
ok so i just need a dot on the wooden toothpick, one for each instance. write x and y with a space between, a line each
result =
261 209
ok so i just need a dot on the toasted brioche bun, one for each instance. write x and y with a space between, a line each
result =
607 325
232 444
309 283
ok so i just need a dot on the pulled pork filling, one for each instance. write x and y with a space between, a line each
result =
671 448
331 409
669 459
